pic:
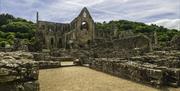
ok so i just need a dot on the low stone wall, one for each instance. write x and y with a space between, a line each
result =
49 64
41 56
24 86
140 72
170 59
18 72
171 62
46 61
48 57
2 49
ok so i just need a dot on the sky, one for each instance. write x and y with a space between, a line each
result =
161 12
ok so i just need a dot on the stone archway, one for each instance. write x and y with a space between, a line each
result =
60 43
52 42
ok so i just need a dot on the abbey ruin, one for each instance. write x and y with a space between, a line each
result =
80 32
122 54
126 55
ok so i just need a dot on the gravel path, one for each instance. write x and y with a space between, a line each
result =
85 79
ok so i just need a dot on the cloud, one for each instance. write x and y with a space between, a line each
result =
102 10
168 23
84 3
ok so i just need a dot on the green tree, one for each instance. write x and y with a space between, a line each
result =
11 27
163 34
25 41
5 19
11 36
3 43
21 27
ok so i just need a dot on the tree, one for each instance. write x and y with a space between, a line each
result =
25 41
11 36
21 27
2 34
3 44
5 19
11 27
163 34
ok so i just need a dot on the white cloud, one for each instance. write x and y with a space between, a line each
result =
168 23
84 3
66 10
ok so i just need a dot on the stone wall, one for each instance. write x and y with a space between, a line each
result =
47 60
147 73
53 35
2 49
170 59
18 72
84 27
139 41
124 47
157 68
175 42
49 64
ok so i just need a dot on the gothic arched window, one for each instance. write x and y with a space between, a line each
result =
52 41
84 25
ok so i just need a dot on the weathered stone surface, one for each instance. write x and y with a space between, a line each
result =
125 47
26 86
49 64
77 33
173 77
175 42
49 57
143 72
18 72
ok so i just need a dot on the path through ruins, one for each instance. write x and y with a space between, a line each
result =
85 79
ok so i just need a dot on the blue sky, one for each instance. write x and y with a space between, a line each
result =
160 12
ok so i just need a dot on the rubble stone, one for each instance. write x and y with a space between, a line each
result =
18 72
49 64
142 72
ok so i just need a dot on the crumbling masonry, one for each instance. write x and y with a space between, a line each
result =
123 54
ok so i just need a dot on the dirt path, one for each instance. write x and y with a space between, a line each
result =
85 79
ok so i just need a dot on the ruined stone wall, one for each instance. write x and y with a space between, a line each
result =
129 58
51 34
83 34
50 60
139 41
153 68
44 60
170 59
112 34
18 72
124 47
175 42
104 34
2 49
48 31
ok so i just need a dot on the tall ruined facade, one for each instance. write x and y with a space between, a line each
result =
78 33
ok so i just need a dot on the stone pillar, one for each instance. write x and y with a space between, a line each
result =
155 38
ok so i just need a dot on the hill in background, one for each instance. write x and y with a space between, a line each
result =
12 27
